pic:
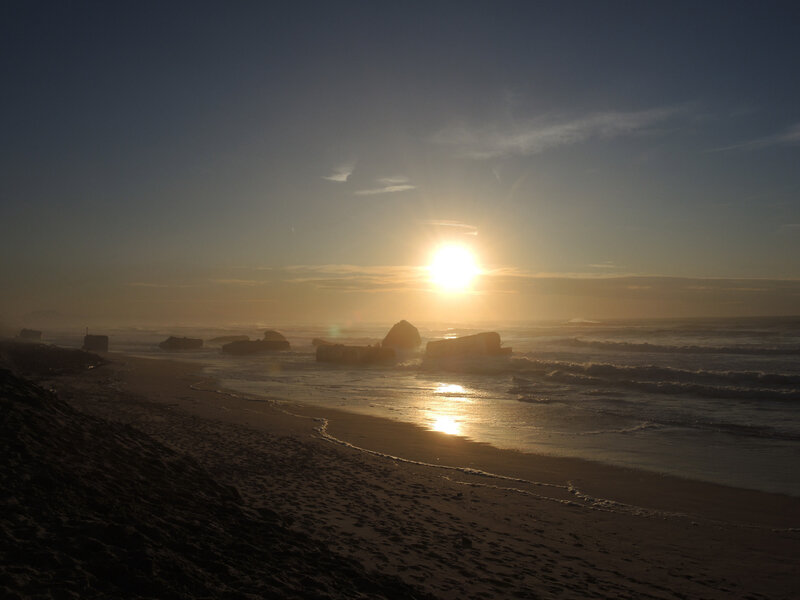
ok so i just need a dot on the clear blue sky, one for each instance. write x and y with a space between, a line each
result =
227 160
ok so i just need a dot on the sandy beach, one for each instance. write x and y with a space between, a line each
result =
444 516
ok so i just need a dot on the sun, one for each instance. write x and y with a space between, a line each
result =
453 268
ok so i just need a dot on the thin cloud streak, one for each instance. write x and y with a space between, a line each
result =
786 138
466 229
515 273
389 185
503 280
150 284
396 180
341 173
239 282
538 135
389 189
355 278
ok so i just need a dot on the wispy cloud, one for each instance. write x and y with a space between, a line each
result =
341 173
251 268
152 284
537 135
394 180
604 265
356 278
239 282
458 226
789 137
388 185
514 273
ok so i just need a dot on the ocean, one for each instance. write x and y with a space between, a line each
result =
716 400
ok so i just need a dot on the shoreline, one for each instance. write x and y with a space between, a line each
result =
738 445
630 486
540 527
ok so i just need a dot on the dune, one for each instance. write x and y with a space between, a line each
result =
100 509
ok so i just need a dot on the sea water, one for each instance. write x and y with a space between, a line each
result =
714 400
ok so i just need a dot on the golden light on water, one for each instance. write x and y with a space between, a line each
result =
453 268
450 388
447 405
446 424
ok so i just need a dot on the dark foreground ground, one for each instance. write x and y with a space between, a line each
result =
141 479
90 509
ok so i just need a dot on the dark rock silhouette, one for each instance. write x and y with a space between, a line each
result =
184 343
255 347
95 343
30 335
402 336
271 335
480 344
320 342
354 355
226 339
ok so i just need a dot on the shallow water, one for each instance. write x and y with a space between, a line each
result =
715 400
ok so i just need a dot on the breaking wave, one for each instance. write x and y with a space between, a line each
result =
654 379
674 387
658 373
751 349
744 385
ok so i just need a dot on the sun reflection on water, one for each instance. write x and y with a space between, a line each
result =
446 424
449 388
446 408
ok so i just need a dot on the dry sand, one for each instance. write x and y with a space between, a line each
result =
451 517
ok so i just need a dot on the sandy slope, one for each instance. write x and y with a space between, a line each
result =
550 528
95 509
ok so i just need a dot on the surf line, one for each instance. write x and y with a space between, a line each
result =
583 500
322 431
586 501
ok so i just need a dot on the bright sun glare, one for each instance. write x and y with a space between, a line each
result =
446 424
453 268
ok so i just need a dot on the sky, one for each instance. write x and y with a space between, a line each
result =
277 162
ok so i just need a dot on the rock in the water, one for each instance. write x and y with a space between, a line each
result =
480 344
95 343
271 335
402 336
255 347
354 355
226 339
184 343
32 335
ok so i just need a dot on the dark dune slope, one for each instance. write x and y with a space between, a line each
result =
95 509
43 360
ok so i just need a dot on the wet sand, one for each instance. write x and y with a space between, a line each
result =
455 518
